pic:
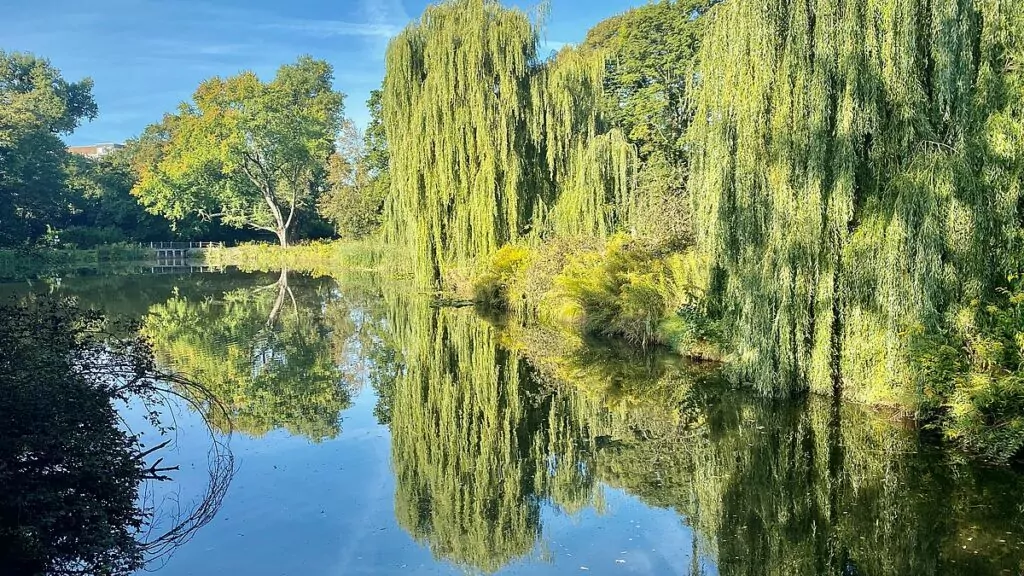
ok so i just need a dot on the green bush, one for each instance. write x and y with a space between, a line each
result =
622 291
972 375
492 287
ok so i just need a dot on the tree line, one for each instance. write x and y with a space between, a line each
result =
243 159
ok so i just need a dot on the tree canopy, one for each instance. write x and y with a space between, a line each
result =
249 152
488 144
358 176
857 178
37 106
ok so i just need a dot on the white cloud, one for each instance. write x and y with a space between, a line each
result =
328 28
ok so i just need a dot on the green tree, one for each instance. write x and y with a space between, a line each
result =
354 200
359 176
249 152
376 140
650 60
103 210
37 105
857 175
488 145
650 56
457 126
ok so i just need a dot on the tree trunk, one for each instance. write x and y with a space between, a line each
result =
282 236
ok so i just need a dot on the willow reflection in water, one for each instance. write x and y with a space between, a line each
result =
483 438
265 352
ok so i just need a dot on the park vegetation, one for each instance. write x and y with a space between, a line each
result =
825 196
822 197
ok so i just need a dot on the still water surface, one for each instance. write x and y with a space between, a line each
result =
374 433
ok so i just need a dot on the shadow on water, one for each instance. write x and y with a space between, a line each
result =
495 427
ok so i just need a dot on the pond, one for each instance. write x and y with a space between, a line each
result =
376 433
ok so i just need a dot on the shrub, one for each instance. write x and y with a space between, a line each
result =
492 287
972 376
621 291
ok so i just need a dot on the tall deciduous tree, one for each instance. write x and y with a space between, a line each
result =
486 142
457 122
103 210
357 177
37 105
650 54
252 153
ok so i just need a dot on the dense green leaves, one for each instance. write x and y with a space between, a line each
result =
103 211
486 141
37 105
249 152
457 126
853 178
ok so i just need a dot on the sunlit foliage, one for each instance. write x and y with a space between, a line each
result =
358 176
856 174
248 152
486 140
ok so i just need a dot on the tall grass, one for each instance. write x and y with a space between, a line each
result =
321 258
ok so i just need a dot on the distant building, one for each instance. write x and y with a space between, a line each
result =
95 150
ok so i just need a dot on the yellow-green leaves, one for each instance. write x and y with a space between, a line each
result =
486 141
246 151
850 179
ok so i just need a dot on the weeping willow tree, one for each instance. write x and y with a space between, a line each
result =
486 140
456 103
856 175
590 168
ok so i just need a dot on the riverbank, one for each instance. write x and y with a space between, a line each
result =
325 258
623 289
19 264
964 380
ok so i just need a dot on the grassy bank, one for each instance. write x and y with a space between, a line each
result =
314 258
621 289
16 264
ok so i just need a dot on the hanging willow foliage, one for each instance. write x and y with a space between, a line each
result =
856 172
456 98
486 140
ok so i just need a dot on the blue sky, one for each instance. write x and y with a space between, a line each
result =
146 56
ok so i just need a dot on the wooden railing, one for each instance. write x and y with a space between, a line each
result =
183 245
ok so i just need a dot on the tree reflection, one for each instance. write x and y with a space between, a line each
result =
488 424
263 353
73 472
462 439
